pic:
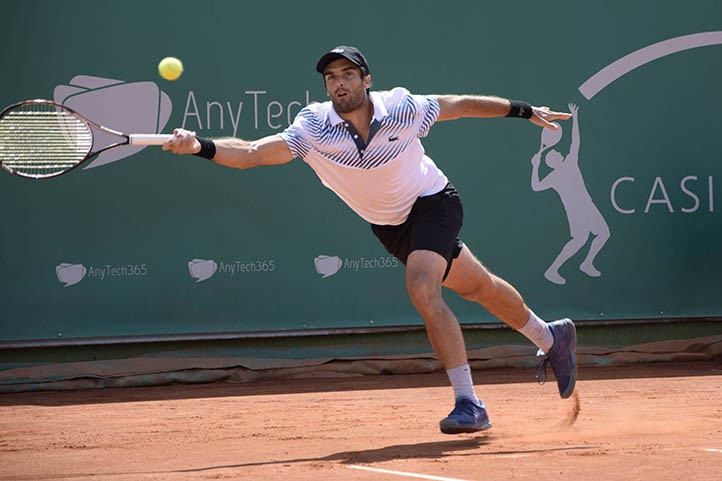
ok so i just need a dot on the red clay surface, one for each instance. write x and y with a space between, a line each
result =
640 422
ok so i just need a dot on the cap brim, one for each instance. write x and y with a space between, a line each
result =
327 59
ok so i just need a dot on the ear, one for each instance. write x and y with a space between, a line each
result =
367 82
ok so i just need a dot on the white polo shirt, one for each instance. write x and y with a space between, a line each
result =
380 180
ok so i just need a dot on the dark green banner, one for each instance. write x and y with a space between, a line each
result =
616 217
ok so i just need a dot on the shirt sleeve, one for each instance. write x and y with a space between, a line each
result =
429 112
296 134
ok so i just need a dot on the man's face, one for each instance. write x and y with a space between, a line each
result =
345 85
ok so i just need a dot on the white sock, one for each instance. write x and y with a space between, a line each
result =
538 332
460 378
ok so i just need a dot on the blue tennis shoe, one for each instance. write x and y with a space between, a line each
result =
467 417
562 357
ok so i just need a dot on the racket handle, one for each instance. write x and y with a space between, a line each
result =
148 139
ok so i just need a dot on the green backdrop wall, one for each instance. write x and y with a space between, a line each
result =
147 243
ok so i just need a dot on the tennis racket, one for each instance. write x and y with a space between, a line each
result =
41 139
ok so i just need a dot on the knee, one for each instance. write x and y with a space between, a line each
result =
423 290
478 291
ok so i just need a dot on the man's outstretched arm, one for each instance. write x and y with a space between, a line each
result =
233 152
488 106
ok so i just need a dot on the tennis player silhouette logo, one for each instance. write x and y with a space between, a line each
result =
583 215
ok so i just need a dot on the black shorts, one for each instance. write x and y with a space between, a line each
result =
433 224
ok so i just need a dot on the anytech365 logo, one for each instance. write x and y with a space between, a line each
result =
120 105
71 274
327 266
203 269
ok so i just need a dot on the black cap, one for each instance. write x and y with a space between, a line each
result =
349 53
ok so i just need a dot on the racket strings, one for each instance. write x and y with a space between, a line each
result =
41 140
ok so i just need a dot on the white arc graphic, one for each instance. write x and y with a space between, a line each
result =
636 59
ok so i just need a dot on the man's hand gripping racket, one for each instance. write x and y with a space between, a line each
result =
41 139
182 142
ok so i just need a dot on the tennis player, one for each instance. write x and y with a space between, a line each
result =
365 146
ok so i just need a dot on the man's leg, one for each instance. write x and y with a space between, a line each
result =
471 280
424 275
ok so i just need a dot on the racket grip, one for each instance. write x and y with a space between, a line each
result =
148 139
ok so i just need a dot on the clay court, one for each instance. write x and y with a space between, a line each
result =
660 421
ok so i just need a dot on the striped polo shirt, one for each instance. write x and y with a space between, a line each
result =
379 180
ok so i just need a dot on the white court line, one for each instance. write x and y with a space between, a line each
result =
401 473
713 450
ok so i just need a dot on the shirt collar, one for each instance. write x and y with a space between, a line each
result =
376 100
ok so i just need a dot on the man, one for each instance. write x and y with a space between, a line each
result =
365 147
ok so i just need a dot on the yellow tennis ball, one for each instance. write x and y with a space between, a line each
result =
170 68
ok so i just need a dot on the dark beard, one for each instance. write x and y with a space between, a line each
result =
352 103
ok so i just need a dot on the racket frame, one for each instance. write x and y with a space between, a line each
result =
126 139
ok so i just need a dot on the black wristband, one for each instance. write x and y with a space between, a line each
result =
208 148
520 110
